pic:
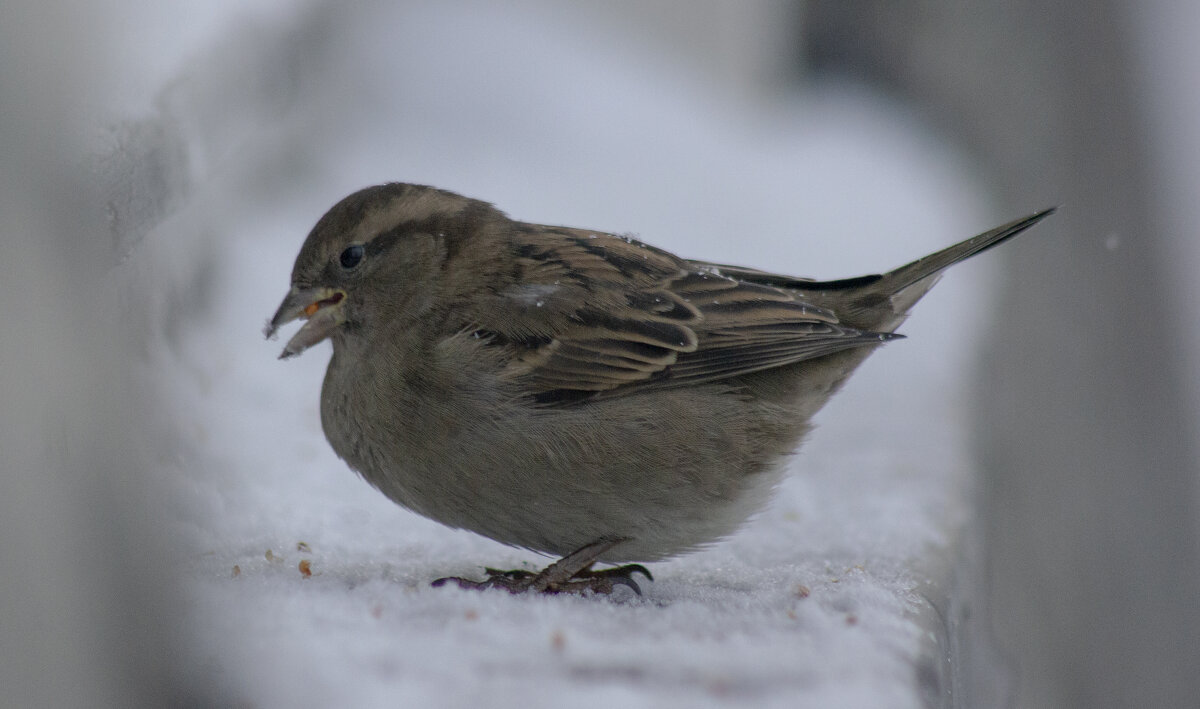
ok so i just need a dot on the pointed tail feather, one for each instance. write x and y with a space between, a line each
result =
880 302
908 283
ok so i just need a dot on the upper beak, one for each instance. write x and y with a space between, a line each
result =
321 306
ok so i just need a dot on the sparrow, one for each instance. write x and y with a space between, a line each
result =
573 392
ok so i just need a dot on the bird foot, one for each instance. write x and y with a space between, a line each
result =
571 574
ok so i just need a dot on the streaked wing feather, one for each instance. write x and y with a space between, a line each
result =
719 362
615 316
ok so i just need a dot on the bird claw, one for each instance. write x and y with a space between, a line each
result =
514 574
627 571
571 574
621 575
507 580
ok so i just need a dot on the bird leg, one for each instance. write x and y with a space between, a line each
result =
571 574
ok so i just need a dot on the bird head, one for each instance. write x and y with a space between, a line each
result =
376 256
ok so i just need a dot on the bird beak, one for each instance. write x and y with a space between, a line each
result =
323 309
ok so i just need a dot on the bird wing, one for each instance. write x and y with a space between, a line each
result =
749 326
596 314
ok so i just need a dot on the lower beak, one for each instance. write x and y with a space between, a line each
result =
322 307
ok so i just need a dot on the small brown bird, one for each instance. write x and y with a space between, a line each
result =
569 391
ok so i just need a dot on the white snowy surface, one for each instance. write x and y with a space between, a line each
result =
817 602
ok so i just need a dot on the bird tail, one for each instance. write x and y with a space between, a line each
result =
907 284
861 300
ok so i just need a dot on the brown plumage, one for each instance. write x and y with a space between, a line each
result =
562 389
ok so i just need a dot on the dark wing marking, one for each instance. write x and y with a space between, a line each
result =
754 275
591 312
749 326
612 316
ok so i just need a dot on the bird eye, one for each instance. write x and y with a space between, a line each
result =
351 256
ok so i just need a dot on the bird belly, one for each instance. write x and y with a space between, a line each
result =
669 478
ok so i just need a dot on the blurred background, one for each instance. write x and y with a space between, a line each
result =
1019 528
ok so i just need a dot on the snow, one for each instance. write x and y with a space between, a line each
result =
823 600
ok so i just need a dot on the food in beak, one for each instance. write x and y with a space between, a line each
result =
323 309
